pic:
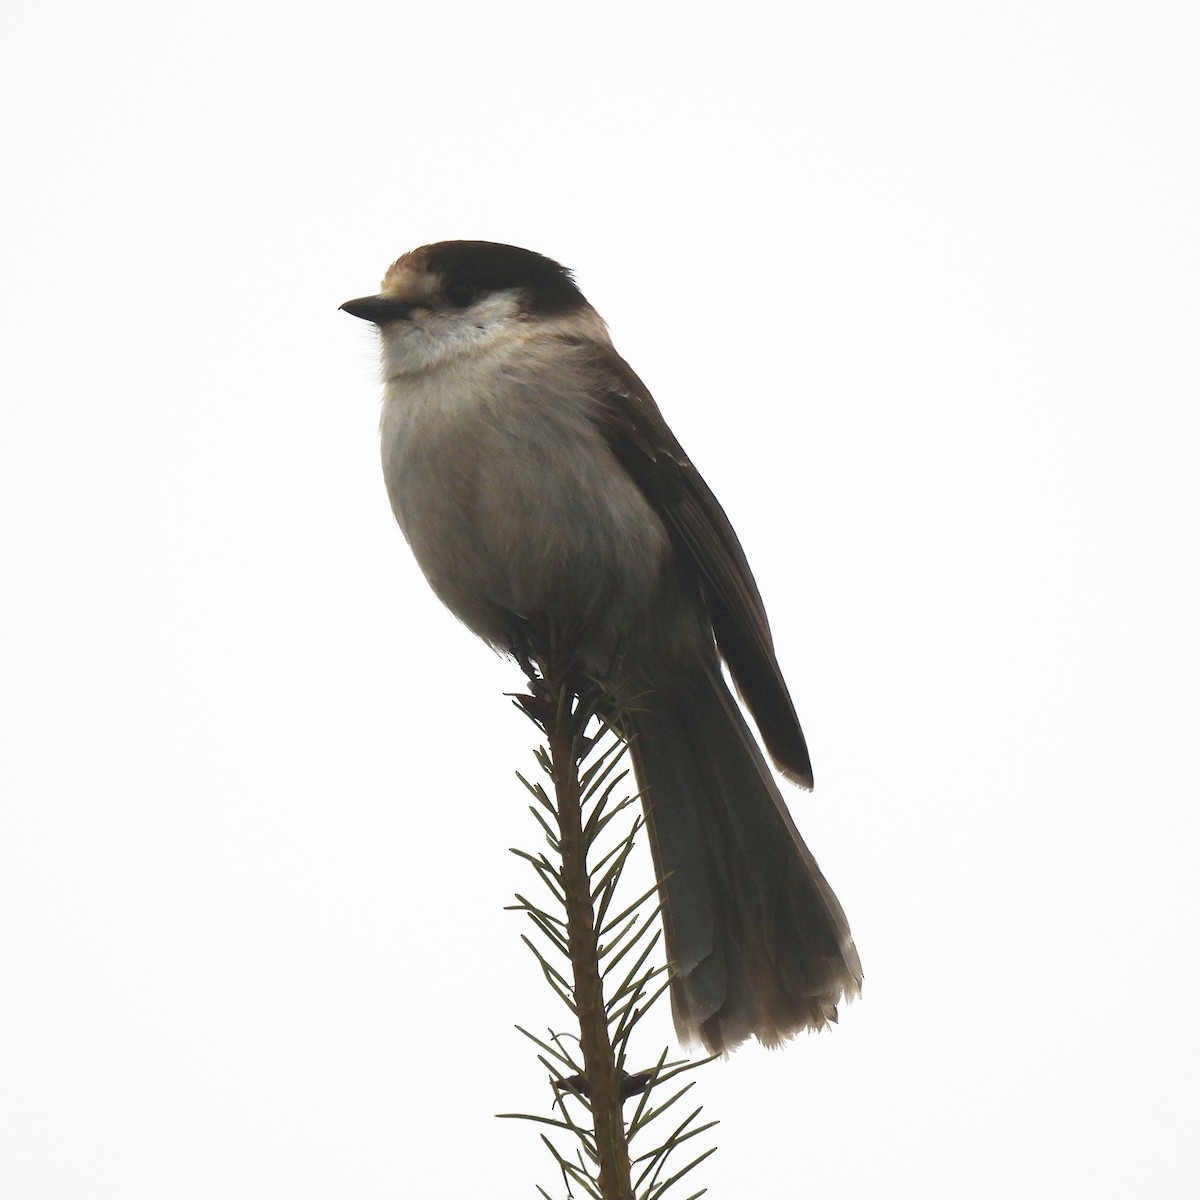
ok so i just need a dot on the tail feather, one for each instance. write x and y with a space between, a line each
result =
758 943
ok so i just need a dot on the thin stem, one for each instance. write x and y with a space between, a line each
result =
608 941
599 1061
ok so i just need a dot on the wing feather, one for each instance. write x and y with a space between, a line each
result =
645 446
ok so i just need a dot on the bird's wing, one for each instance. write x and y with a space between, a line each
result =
645 446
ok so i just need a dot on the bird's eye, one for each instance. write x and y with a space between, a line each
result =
460 294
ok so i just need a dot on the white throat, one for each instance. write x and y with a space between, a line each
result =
432 338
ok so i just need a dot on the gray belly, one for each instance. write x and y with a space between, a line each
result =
515 507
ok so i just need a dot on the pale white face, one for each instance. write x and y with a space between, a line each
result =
445 306
437 333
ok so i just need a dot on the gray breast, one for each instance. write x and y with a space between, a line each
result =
513 503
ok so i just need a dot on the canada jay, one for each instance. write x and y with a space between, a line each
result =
539 486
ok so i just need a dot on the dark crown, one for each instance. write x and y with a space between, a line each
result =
547 287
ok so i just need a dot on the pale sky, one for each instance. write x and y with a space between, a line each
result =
916 286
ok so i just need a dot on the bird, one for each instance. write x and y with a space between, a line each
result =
539 486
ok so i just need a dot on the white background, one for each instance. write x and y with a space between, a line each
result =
916 285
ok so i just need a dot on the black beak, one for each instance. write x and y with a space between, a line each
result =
378 309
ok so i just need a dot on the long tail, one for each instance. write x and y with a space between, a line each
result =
757 940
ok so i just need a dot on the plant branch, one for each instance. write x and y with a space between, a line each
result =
608 940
